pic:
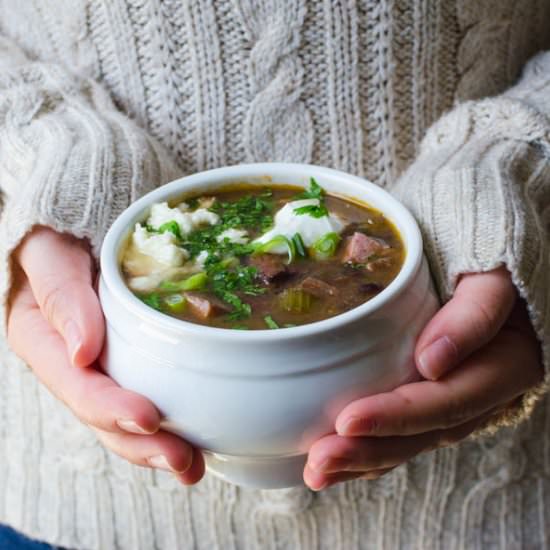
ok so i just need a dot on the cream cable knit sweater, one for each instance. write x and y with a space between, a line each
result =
102 100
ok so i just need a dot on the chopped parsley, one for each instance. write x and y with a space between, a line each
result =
226 282
226 277
314 210
251 212
315 191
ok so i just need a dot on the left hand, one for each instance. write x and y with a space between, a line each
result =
478 354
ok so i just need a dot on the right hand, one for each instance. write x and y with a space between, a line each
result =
55 324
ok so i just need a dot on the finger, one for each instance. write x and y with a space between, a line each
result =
95 398
60 271
162 450
318 481
334 453
195 472
497 374
480 306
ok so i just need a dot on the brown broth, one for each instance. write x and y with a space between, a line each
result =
355 284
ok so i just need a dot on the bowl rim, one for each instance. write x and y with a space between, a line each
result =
402 218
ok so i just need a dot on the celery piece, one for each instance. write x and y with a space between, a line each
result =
194 282
295 300
325 247
175 303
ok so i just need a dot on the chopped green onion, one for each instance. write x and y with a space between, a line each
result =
195 282
240 327
276 241
299 245
289 325
269 321
295 300
172 227
175 303
152 300
326 246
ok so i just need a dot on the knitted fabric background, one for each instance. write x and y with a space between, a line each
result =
103 100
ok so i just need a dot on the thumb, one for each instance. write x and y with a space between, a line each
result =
481 304
60 271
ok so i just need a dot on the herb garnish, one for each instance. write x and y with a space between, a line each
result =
226 276
315 191
314 210
225 282
249 212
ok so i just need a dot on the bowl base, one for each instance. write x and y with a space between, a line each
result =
257 472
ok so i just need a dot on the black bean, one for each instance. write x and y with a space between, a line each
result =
371 288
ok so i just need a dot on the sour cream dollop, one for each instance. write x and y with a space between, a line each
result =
287 223
161 213
161 246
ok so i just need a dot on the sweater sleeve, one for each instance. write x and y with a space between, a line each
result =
480 190
68 159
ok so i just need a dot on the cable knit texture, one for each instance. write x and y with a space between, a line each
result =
103 100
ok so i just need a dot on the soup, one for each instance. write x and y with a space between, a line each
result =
249 257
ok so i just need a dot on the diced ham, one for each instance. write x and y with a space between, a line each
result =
359 247
205 307
318 288
270 267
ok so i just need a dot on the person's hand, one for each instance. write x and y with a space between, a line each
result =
55 324
478 354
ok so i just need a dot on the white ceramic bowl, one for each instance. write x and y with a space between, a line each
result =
254 401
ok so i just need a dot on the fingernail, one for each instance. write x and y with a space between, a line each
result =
355 425
320 487
72 338
160 462
438 358
133 427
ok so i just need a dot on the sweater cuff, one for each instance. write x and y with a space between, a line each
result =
477 191
68 160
